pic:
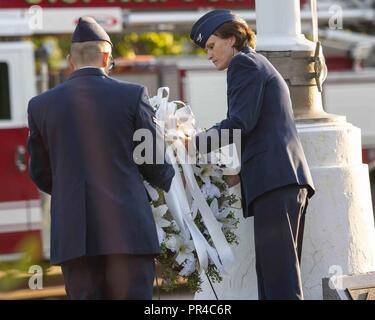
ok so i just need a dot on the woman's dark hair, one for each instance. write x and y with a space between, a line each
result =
245 37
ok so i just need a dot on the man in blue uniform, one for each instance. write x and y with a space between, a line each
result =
81 152
275 178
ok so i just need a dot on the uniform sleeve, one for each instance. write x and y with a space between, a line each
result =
245 97
156 173
39 162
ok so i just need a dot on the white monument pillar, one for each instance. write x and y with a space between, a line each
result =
279 26
339 233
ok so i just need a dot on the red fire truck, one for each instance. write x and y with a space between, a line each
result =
20 209
21 214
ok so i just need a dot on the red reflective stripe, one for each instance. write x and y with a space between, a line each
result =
180 85
335 63
365 158
13 242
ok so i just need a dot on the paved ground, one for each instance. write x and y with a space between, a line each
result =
53 288
59 293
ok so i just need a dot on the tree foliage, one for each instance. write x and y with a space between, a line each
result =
125 45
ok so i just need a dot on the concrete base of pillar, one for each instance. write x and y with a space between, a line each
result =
339 236
339 230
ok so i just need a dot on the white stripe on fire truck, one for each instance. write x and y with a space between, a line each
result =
19 204
20 216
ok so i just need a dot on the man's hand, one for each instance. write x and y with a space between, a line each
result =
232 180
187 142
189 146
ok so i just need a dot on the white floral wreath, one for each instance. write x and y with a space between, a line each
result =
196 223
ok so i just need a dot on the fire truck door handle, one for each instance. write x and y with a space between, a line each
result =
20 158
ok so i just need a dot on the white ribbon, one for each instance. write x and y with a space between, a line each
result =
179 122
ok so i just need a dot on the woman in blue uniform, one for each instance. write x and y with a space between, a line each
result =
275 178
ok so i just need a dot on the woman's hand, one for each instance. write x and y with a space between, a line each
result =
232 180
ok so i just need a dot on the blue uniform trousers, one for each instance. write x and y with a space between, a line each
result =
279 217
110 277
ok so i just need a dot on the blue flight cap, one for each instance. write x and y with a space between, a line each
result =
207 25
88 29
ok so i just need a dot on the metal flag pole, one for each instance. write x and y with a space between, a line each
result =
212 287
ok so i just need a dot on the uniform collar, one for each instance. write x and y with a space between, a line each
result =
87 72
247 50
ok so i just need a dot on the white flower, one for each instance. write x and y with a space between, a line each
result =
154 195
210 190
159 213
198 172
218 213
160 222
161 234
218 179
172 135
171 107
229 224
185 121
154 102
189 266
214 207
223 213
178 120
207 171
185 251
174 225
173 242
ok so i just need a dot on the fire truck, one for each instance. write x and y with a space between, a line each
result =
24 214
20 207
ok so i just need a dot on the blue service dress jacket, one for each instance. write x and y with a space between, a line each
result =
259 105
81 152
